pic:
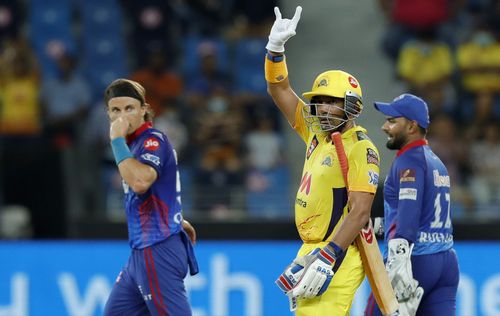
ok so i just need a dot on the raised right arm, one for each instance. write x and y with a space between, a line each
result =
278 85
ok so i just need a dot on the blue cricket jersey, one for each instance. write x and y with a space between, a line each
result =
157 214
417 200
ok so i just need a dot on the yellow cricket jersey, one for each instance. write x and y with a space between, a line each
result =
321 202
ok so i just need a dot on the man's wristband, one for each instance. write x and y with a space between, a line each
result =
275 58
336 248
330 253
275 68
120 150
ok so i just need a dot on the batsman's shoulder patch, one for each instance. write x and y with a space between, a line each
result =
407 175
312 146
373 177
372 157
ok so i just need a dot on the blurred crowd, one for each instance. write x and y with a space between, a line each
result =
448 52
201 62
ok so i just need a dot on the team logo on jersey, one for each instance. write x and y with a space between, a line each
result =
327 161
373 177
322 83
371 156
312 147
151 143
353 82
154 159
407 175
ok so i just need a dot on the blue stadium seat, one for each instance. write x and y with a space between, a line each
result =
249 65
104 49
101 16
192 46
99 76
103 60
50 24
104 53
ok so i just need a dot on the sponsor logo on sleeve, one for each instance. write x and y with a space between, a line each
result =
407 175
408 194
154 159
373 177
151 143
372 156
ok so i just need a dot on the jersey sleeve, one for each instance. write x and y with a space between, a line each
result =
363 167
411 177
300 125
154 152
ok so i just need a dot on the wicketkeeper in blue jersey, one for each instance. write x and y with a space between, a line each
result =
152 281
421 262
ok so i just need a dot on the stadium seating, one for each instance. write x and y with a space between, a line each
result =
50 32
248 64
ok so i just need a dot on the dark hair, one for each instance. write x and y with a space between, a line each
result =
423 131
128 88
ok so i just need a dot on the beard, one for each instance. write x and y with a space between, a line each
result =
396 142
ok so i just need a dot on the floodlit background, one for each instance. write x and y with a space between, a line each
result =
201 62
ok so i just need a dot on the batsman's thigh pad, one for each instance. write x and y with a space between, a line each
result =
338 298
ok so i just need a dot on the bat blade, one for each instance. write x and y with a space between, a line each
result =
368 248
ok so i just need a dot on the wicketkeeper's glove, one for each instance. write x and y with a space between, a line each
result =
282 30
398 266
410 306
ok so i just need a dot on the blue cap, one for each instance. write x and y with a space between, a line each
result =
408 106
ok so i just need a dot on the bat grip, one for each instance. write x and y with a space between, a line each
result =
339 148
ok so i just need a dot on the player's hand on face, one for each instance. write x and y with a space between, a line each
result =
282 30
189 229
118 128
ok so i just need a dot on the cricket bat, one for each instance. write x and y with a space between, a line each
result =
368 247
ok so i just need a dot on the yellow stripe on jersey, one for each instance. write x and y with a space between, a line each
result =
321 201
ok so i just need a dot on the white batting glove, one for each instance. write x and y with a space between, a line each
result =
282 30
317 274
291 276
409 307
399 269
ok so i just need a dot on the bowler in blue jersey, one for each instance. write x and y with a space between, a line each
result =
152 281
420 259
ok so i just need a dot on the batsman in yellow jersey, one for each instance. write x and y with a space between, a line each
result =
328 270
